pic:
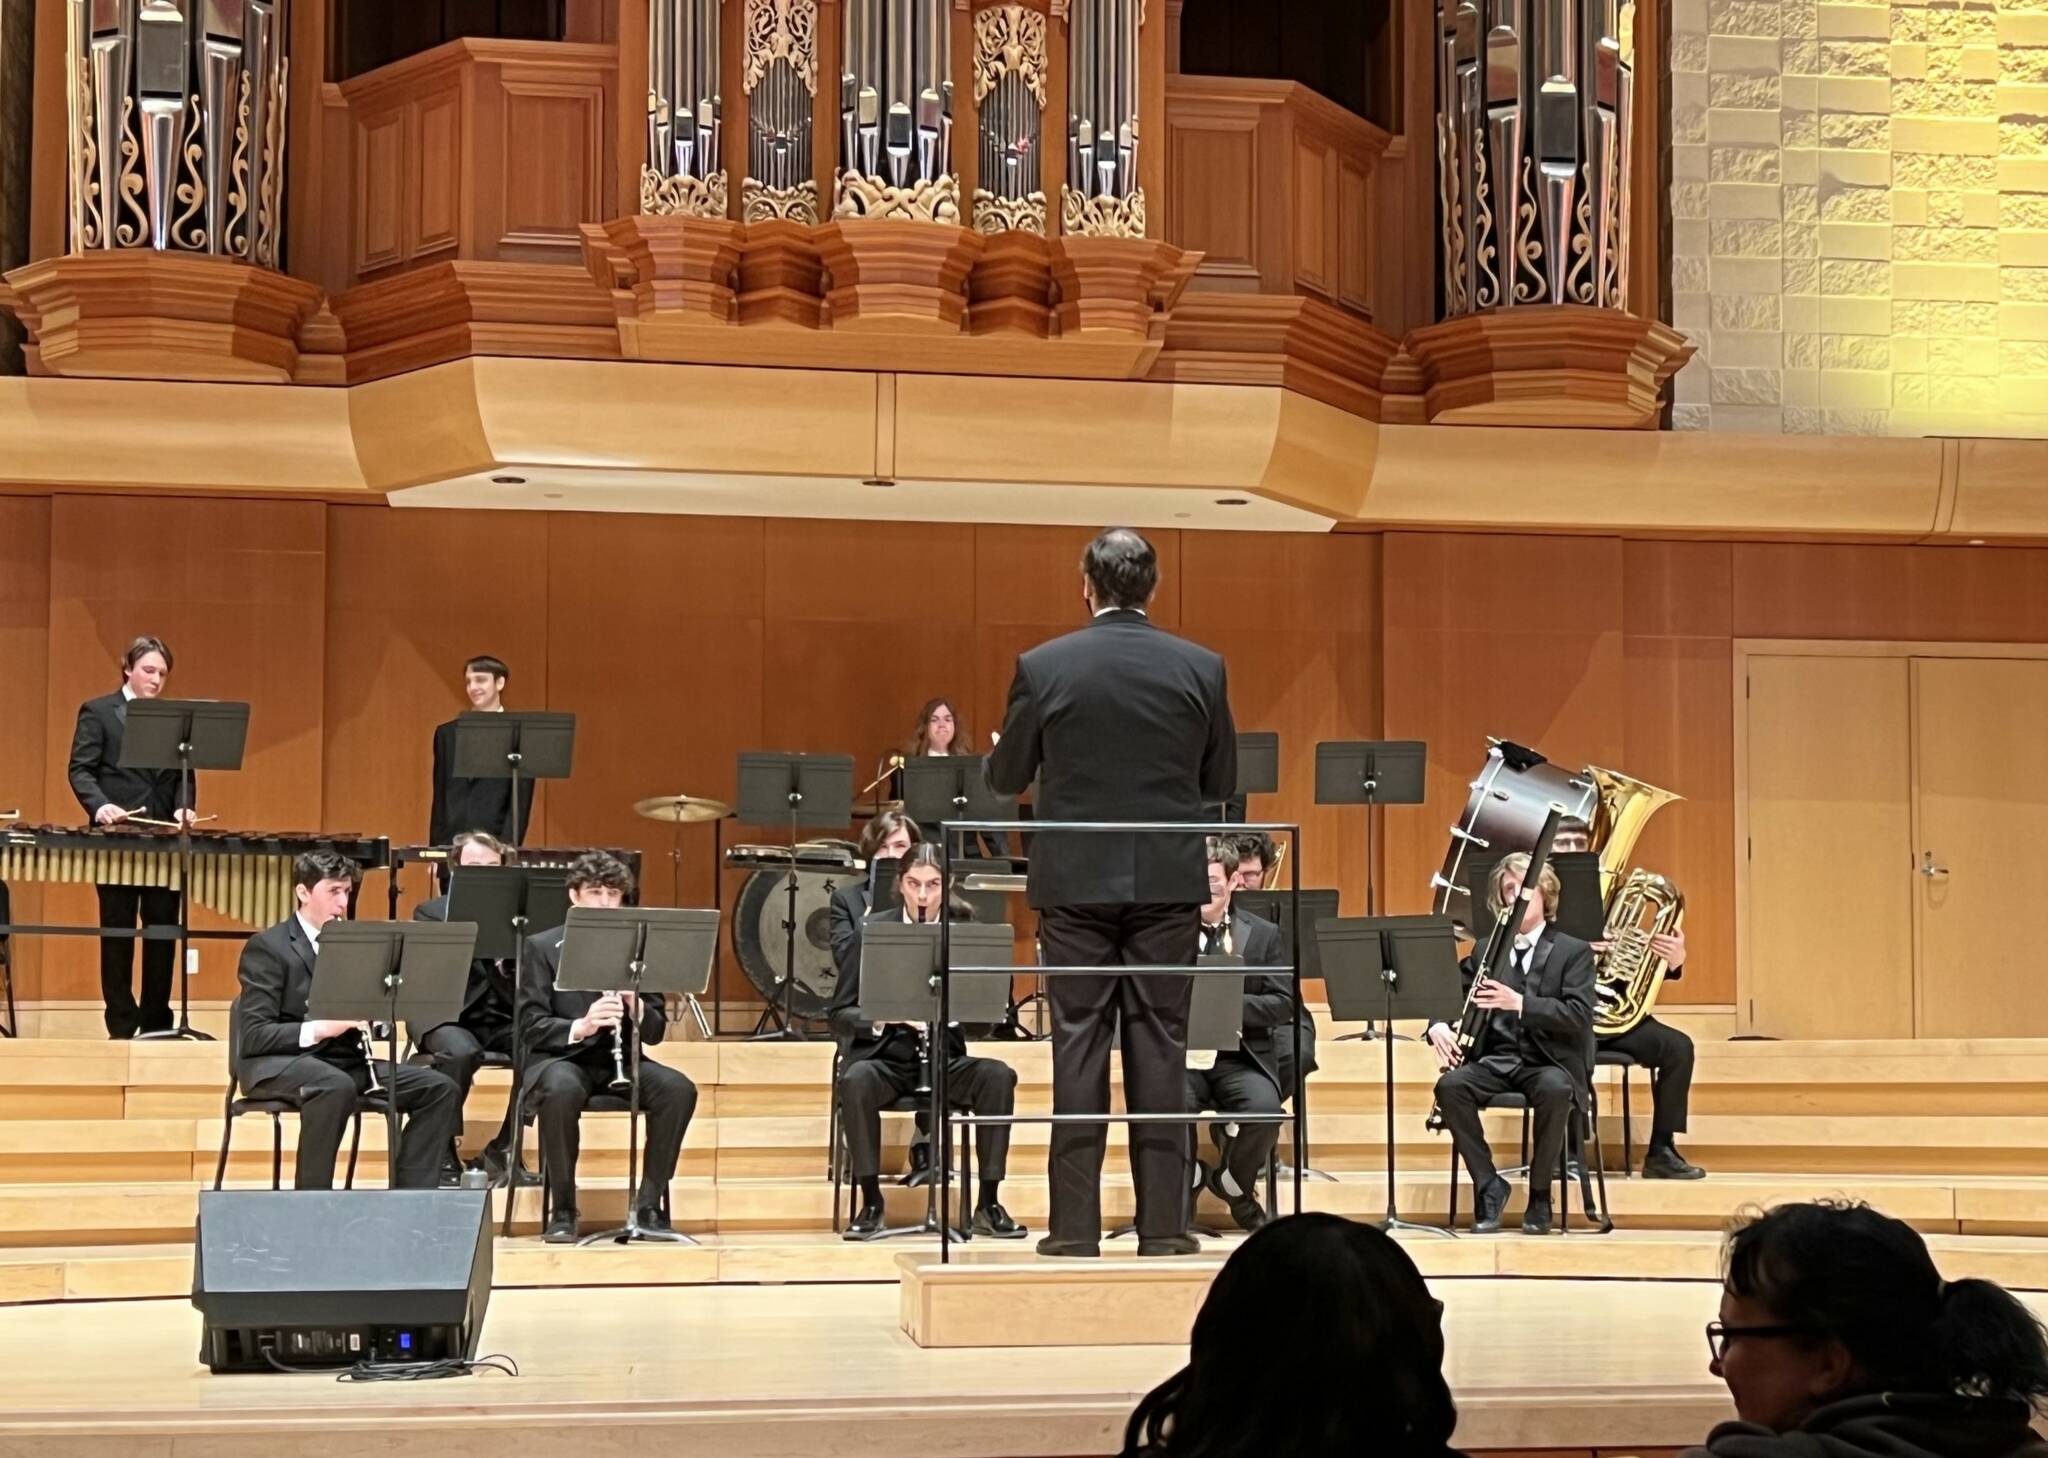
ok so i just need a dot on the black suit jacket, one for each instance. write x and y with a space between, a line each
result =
464 804
1117 721
487 996
1557 1002
1268 1000
545 1011
276 972
850 906
96 775
854 1028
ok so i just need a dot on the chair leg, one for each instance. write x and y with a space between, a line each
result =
1603 1218
276 1152
227 1132
1628 1131
355 1141
1451 1220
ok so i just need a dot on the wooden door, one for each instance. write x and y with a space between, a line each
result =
1828 926
1981 844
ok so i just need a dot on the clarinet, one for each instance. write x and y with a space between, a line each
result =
621 1081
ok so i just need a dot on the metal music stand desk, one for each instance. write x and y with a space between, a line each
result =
384 971
1276 907
531 744
1372 773
798 790
664 951
508 904
1258 766
899 983
942 787
184 735
1392 966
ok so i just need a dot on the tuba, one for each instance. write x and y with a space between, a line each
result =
1640 904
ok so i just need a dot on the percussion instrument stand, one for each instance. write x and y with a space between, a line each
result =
811 789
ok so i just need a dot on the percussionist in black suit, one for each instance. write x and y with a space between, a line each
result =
461 803
485 1026
110 795
1118 721
320 1064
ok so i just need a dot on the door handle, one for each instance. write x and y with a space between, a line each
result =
1930 870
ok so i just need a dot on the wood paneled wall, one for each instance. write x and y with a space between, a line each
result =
680 641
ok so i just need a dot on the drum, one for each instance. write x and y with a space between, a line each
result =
1503 815
757 920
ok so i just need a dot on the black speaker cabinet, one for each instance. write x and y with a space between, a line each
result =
328 1278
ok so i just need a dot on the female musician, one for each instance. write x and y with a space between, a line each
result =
940 730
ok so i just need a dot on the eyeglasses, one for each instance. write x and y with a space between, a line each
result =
1719 1335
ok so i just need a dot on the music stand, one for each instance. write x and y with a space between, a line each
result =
1258 771
1395 966
899 983
1581 912
508 904
942 787
185 735
532 744
804 790
1372 773
663 950
382 971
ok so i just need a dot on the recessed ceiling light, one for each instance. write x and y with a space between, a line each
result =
1976 541
551 496
878 481
1232 501
508 480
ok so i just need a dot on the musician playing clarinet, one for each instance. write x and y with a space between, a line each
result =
1538 1042
573 1053
321 1064
111 795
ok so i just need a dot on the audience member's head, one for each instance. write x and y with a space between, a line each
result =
1318 1338
1825 1302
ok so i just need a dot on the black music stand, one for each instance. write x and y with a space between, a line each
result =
1372 773
899 983
662 950
382 971
185 735
531 744
1277 907
508 904
1391 966
942 787
813 790
1258 772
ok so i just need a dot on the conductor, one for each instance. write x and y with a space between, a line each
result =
1120 720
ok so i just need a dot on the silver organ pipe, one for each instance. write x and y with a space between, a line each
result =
896 111
684 171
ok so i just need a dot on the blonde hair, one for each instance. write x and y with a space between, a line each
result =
1517 864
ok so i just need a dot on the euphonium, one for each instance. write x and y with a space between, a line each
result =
1630 974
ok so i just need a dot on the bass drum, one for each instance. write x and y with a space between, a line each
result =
1503 815
761 944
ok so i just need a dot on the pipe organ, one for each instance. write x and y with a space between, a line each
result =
176 135
779 74
1010 65
896 112
1102 197
685 168
1533 128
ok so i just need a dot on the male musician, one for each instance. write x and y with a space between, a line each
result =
887 837
1659 1047
485 1026
111 795
319 1064
461 803
881 1062
1538 1042
1256 856
1247 1079
1118 721
570 1057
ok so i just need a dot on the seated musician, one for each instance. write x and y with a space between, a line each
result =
319 1064
1247 1079
1256 856
887 837
570 1040
1659 1047
879 1063
1538 1042
485 1026
941 733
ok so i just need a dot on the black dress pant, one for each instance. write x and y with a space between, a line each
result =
1237 1085
978 1085
1668 1053
564 1087
1087 1013
326 1094
119 909
458 1050
1461 1091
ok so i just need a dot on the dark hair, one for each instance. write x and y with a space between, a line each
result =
1122 568
478 837
1318 1338
146 644
1223 852
484 663
1254 845
1842 1270
929 853
312 867
881 827
601 869
920 742
1573 825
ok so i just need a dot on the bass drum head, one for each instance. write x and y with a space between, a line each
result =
761 944
1503 815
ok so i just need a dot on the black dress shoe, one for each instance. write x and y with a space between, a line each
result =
921 1172
993 1221
1487 1203
649 1217
1245 1208
1169 1245
1669 1164
561 1229
1536 1216
1068 1249
866 1225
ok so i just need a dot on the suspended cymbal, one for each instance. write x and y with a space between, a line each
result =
685 809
